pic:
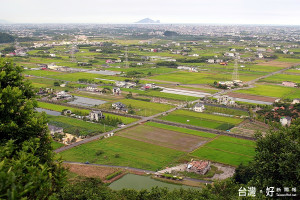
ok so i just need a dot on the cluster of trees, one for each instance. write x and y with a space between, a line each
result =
28 169
285 109
170 64
195 60
277 160
85 80
6 38
170 33
111 121
9 49
134 74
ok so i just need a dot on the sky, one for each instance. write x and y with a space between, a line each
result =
281 12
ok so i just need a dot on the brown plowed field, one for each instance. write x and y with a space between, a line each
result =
275 63
252 97
163 137
90 170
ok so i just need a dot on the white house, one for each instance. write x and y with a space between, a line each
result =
92 89
130 85
285 121
198 107
225 99
116 90
52 55
296 101
120 83
229 54
260 55
63 95
211 61
119 106
96 115
55 129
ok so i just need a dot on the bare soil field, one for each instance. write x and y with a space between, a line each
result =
250 128
228 171
90 170
163 137
252 97
275 63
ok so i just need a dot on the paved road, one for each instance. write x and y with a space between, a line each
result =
135 169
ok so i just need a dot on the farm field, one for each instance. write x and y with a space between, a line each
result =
59 108
205 78
145 70
194 121
228 111
195 88
294 71
153 93
227 150
56 145
77 126
163 137
270 91
277 63
84 75
182 130
43 73
262 68
202 119
279 78
144 108
97 96
129 152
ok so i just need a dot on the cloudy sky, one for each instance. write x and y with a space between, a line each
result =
167 11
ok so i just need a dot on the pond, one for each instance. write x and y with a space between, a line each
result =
49 112
83 101
137 182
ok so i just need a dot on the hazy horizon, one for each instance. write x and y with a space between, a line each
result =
239 12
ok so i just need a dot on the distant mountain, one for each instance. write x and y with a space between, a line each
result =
148 21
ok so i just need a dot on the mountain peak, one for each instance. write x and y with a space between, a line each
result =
147 21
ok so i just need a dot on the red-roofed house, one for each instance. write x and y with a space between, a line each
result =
198 166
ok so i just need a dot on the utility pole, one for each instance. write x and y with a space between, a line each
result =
235 73
126 57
